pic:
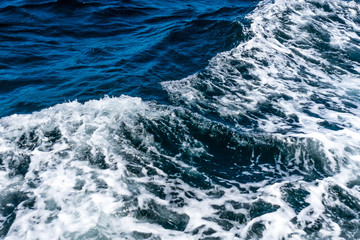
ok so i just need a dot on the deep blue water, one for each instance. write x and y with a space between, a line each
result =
179 119
53 52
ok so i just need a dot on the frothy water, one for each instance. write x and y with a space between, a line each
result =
262 144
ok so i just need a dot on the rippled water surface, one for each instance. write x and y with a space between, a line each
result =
53 52
180 120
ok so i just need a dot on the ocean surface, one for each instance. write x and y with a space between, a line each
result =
133 119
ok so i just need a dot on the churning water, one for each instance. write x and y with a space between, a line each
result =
227 120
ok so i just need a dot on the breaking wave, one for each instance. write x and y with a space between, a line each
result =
262 144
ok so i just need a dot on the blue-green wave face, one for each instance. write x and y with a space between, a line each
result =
262 143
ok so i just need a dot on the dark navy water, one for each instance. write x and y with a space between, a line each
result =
179 119
54 52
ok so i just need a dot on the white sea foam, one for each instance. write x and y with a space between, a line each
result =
303 60
88 177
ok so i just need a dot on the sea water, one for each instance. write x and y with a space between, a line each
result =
180 120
